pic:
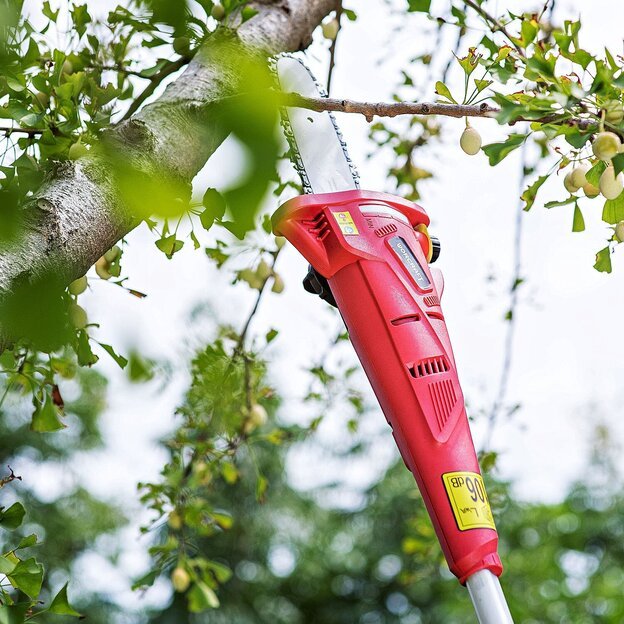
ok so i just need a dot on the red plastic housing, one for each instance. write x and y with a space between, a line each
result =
375 262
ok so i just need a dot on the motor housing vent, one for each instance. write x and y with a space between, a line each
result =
429 366
444 399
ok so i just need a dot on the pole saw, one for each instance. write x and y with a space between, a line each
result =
370 256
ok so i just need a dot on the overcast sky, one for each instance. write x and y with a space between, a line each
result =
567 365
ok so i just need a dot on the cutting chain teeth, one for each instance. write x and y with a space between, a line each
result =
295 155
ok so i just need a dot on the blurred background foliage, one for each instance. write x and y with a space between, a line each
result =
230 538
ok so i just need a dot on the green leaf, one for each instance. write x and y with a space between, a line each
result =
421 6
261 487
86 357
12 517
351 15
482 84
530 192
247 13
48 12
496 152
27 576
593 175
169 245
60 605
443 90
121 361
202 597
26 542
578 223
214 204
46 417
271 335
613 211
603 260
14 614
618 163
6 565
563 202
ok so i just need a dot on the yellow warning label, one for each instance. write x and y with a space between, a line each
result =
468 500
345 223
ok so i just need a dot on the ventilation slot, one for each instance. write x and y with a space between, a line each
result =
430 366
431 301
386 230
408 318
435 315
444 400
318 226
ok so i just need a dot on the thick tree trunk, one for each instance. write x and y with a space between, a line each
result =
78 213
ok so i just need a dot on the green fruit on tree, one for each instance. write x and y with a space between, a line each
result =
611 186
77 150
41 98
174 520
590 190
606 145
578 176
278 284
77 287
68 67
101 268
569 185
614 112
180 579
77 316
470 141
218 12
264 271
182 45
330 29
619 231
112 254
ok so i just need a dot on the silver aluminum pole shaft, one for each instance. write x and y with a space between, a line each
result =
488 599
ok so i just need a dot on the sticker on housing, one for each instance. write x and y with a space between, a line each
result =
345 223
469 501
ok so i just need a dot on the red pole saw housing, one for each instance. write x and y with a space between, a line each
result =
373 249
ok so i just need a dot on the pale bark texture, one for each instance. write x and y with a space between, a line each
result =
78 213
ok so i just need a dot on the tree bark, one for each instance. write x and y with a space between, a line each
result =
78 213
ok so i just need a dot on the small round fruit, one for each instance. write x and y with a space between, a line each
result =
470 141
330 29
68 67
590 190
77 150
182 45
180 579
257 415
569 185
577 177
278 285
43 99
606 145
101 268
77 287
218 12
112 254
611 186
263 271
614 112
78 316
174 520
619 231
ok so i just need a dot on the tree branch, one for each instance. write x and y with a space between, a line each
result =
79 212
394 109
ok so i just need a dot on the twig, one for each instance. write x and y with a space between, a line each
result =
8 131
332 49
496 24
156 79
513 305
11 477
243 334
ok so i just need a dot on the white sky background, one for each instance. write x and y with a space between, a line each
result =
567 368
